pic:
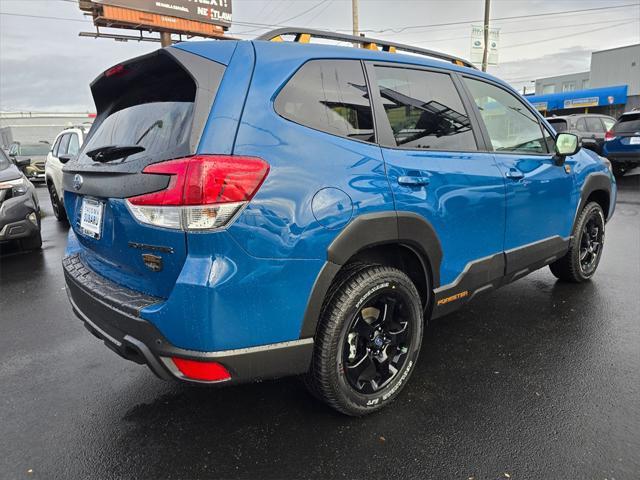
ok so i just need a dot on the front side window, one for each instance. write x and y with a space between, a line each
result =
424 110
512 127
558 124
330 96
64 145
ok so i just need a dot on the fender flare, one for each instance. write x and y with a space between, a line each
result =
594 181
370 230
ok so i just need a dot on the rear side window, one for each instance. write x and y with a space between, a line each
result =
330 96
581 125
558 125
628 124
594 124
424 110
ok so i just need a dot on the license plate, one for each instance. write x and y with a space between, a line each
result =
634 141
91 217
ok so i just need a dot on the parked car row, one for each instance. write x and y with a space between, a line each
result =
618 140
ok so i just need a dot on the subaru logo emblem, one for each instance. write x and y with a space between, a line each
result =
77 181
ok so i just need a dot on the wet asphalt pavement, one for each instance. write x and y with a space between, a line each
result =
538 380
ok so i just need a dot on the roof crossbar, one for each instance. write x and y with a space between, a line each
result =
304 35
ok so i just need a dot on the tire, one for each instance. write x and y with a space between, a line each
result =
368 340
580 263
56 204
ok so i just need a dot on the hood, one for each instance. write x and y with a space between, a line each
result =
10 173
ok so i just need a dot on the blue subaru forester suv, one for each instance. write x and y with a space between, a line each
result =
245 210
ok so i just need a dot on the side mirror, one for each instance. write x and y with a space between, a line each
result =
567 144
64 158
22 162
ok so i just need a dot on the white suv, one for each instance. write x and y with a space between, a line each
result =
66 146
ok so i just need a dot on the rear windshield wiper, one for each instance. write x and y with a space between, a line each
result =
113 152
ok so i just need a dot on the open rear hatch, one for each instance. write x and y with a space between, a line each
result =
150 109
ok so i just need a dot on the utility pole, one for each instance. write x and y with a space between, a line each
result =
165 39
354 14
485 54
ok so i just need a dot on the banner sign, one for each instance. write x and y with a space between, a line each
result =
540 106
216 12
477 44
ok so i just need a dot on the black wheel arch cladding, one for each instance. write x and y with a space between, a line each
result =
370 230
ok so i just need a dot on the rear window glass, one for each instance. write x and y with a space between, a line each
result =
331 96
149 103
558 125
628 124
424 110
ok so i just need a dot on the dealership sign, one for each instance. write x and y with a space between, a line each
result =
581 102
216 12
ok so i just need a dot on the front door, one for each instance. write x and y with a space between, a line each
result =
436 170
540 192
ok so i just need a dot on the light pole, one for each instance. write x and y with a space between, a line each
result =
485 54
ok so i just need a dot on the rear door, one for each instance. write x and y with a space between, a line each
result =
153 102
435 166
596 131
540 193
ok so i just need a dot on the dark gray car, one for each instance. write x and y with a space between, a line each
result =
19 208
589 127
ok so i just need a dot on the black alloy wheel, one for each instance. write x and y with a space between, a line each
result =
377 343
591 241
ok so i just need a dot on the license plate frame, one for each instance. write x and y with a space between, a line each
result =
91 217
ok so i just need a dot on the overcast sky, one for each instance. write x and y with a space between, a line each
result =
46 66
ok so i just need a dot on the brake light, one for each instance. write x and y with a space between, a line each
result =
203 371
115 71
204 191
609 135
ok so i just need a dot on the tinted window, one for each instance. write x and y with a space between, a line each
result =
594 124
329 95
424 110
64 144
511 125
628 124
581 125
74 144
558 124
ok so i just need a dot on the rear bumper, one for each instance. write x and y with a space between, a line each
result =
111 313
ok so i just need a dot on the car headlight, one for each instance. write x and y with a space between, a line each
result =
18 186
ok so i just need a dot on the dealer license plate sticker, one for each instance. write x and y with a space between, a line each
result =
91 217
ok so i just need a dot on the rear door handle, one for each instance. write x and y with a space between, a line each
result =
413 181
514 174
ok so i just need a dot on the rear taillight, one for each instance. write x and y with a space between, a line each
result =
609 136
204 192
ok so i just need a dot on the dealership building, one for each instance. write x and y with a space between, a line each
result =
611 86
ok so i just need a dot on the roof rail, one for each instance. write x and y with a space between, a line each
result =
303 35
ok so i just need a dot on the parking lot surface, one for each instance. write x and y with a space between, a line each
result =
537 380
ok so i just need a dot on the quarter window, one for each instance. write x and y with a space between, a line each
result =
331 96
512 127
424 110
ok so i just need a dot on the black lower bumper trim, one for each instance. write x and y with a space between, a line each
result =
137 340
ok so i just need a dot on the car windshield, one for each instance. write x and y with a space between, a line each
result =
4 160
628 124
558 124
35 149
